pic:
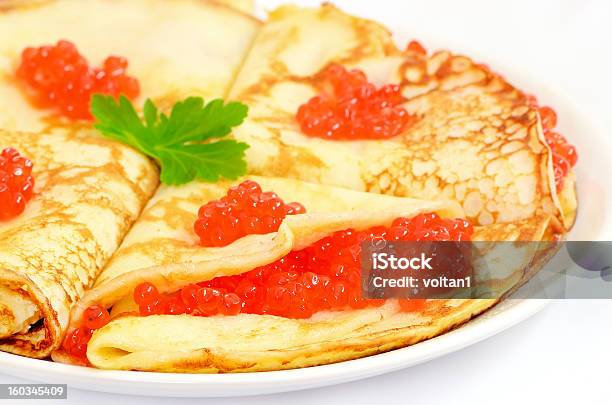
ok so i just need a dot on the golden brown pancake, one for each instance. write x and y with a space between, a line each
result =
192 48
88 193
163 249
476 139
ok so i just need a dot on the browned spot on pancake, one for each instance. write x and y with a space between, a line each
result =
290 161
6 313
8 5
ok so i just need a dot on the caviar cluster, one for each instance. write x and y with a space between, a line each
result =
564 154
349 107
325 275
243 211
16 183
59 77
76 342
416 47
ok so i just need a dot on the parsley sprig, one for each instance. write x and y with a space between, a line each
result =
186 143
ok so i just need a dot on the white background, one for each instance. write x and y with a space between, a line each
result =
562 355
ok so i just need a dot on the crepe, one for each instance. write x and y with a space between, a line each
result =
88 193
192 48
163 249
476 139
246 6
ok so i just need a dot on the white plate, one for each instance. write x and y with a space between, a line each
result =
224 385
593 221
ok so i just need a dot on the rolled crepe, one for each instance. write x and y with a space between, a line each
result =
476 139
187 48
163 249
88 193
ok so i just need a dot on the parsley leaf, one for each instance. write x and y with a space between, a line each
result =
184 143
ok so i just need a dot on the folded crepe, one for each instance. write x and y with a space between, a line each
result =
193 48
88 193
477 139
163 249
188 48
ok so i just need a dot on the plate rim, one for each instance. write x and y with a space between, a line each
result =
243 384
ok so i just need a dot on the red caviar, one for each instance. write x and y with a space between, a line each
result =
75 343
59 77
244 210
16 183
94 317
349 107
416 47
325 275
564 154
